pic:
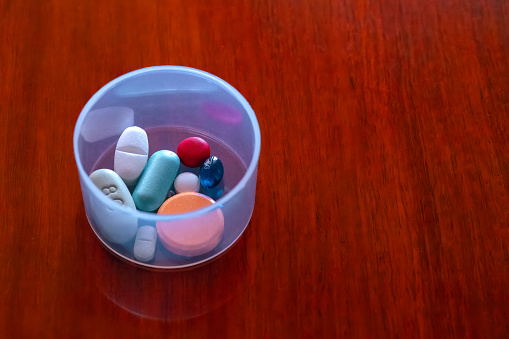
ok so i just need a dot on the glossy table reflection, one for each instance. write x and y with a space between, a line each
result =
383 185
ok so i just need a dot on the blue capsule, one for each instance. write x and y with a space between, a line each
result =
211 172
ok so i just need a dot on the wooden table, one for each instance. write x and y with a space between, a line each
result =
382 205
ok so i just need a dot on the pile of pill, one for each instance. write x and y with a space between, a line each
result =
160 186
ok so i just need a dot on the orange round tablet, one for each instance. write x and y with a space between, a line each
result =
185 202
191 236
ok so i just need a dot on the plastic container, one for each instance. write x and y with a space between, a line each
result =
170 103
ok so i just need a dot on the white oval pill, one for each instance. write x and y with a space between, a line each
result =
145 243
131 154
187 182
116 226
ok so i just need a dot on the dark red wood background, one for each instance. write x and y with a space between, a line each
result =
383 187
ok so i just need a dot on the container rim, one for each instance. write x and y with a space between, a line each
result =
152 216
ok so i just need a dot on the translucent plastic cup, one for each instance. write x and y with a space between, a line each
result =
170 103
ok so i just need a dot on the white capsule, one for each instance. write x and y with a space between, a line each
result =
187 182
131 154
145 243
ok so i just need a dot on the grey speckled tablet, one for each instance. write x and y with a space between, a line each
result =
145 243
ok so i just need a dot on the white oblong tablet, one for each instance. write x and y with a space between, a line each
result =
131 154
112 186
187 182
118 227
145 243
129 166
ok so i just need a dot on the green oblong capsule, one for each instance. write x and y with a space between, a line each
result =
156 180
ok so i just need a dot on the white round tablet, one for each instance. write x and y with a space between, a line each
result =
187 182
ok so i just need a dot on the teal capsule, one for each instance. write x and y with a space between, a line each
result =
156 180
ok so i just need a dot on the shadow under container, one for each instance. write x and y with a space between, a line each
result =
170 103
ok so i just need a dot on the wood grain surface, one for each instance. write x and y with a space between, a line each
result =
382 206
